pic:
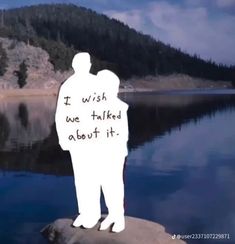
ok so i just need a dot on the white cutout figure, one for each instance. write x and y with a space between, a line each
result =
92 124
114 153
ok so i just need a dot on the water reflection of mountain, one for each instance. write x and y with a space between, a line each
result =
29 120
149 118
29 142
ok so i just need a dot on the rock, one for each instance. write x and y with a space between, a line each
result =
137 231
40 71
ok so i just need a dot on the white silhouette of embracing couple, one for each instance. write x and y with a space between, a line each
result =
91 123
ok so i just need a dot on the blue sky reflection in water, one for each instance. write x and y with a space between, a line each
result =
191 174
181 175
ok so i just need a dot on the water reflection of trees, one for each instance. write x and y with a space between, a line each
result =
42 157
4 130
145 123
148 122
23 115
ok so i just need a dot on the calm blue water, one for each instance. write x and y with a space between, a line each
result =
180 170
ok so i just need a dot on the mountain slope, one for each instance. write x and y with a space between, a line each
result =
63 29
40 72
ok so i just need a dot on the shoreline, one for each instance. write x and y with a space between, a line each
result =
28 92
14 93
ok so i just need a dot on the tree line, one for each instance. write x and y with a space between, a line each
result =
3 60
64 29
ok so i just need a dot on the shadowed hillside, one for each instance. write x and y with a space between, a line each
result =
63 29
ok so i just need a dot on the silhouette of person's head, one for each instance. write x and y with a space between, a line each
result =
109 82
81 63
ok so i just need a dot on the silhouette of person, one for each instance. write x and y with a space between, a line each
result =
113 153
91 123
70 118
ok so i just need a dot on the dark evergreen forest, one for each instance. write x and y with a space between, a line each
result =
64 29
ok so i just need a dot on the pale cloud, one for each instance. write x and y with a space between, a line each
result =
192 28
3 6
194 2
225 3
132 18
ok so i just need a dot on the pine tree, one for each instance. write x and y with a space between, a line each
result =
3 60
22 74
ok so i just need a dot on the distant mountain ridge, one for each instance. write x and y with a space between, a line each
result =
64 29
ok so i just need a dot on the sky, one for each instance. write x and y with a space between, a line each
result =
202 27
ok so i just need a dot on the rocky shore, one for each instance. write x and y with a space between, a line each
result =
137 231
40 71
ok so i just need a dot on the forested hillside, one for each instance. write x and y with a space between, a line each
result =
62 30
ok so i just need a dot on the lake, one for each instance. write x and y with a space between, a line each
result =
180 169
